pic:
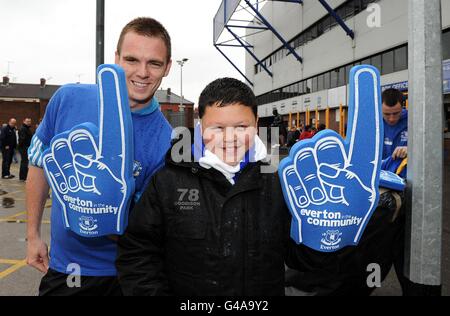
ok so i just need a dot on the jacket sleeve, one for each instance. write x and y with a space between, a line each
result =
22 137
140 260
2 136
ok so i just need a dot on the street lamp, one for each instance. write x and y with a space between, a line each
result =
181 63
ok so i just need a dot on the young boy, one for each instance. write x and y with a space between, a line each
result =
215 227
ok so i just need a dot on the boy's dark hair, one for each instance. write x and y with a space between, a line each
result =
226 91
146 27
391 97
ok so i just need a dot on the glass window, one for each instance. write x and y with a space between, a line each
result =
320 28
357 6
342 76
326 80
327 23
376 62
387 60
314 32
347 72
365 61
401 58
320 83
314 84
334 75
309 86
446 45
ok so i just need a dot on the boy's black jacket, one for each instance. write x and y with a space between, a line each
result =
194 234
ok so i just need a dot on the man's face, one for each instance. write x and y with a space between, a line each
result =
229 131
144 60
12 123
392 115
27 122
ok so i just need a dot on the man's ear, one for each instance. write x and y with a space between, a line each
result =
169 65
117 58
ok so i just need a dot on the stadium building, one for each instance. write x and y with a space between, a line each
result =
299 53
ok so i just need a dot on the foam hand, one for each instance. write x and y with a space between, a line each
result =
89 168
330 184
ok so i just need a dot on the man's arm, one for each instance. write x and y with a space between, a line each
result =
36 195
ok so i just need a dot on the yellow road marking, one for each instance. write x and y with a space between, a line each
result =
15 192
13 268
20 221
16 215
7 261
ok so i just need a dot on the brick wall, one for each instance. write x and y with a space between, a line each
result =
21 110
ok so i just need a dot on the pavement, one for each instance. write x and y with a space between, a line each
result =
17 279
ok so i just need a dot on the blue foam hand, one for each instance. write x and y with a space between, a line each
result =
90 168
330 184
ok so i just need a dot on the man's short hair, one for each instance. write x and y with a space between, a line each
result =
391 97
226 91
146 27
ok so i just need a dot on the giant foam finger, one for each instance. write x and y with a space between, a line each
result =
115 125
365 124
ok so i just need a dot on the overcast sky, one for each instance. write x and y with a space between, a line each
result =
56 39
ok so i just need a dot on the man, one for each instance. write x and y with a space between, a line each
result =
278 122
395 152
395 125
144 52
25 136
8 141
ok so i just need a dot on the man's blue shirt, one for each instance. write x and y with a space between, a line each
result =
396 135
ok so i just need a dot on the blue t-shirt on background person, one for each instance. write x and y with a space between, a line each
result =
75 104
395 135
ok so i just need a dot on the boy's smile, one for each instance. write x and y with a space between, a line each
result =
229 131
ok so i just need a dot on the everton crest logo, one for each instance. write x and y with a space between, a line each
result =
331 238
88 223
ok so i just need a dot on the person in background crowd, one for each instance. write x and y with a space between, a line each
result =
293 136
25 135
307 133
8 143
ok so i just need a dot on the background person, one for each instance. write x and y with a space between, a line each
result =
8 143
25 135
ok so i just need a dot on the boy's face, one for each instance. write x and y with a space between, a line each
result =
229 131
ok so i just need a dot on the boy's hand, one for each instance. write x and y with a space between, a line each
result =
331 184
